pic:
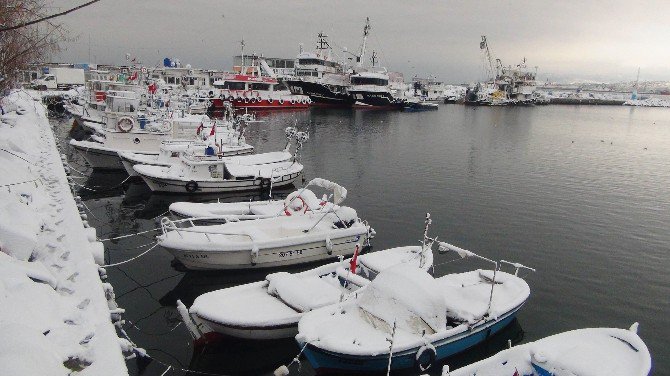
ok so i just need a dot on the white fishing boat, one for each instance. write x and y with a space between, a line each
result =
583 352
210 174
263 243
301 201
407 319
271 309
171 149
125 132
204 174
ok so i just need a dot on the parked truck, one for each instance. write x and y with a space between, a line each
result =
60 78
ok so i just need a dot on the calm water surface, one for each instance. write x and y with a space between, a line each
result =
580 193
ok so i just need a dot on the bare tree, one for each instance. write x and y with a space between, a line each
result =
28 34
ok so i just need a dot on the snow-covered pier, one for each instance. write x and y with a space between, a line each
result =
57 314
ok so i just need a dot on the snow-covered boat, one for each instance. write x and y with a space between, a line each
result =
204 174
170 150
583 352
298 202
407 319
268 242
211 174
126 132
271 309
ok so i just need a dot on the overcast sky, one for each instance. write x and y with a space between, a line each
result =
567 40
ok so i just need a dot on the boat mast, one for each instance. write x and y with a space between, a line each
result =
488 66
366 32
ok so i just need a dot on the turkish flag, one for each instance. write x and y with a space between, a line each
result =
354 259
213 131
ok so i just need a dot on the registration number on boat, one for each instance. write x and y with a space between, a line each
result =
290 253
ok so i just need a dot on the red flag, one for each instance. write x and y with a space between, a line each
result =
354 259
152 88
133 76
213 131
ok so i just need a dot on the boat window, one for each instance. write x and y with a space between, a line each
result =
369 81
258 86
233 85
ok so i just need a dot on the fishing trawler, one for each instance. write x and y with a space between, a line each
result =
370 85
255 87
321 77
507 85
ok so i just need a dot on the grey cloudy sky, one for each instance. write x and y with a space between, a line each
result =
567 40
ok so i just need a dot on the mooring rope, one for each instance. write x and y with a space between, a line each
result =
101 190
129 235
131 259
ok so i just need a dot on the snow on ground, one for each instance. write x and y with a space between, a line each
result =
54 313
649 102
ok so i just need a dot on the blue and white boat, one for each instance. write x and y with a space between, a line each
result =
406 319
583 352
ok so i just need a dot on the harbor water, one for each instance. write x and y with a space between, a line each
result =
581 193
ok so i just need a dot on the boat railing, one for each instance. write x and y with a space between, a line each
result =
167 225
171 225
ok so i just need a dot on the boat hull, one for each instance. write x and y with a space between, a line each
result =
329 362
376 100
100 159
220 186
298 253
320 94
261 104
258 333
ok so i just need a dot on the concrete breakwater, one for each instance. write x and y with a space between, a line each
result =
57 314
587 101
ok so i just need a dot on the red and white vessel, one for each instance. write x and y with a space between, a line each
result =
255 87
253 91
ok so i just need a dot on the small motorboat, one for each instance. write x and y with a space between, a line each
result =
271 309
203 174
407 319
299 201
584 352
263 243
196 173
419 105
170 150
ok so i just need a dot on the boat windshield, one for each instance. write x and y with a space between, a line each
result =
369 81
318 62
